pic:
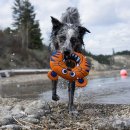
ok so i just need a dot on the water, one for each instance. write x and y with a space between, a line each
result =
113 90
108 90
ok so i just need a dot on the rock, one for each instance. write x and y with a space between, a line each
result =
39 104
35 111
20 115
4 111
47 111
18 112
6 120
33 116
62 124
14 127
31 120
36 108
128 123
30 110
8 108
17 109
92 112
121 124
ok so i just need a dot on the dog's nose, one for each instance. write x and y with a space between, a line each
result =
67 52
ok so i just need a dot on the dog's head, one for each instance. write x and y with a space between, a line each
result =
67 37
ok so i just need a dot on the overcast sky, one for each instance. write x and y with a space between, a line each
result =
108 21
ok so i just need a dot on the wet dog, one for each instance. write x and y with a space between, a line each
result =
67 37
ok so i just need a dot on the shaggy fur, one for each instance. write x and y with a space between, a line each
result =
67 36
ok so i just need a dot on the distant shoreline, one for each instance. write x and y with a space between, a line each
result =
108 73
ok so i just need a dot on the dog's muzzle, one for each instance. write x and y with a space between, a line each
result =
67 52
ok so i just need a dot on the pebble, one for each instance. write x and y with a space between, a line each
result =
11 127
31 120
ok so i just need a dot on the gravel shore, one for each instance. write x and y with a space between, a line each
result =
36 114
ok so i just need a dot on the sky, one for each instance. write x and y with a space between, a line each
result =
108 21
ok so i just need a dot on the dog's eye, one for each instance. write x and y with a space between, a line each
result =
62 38
73 40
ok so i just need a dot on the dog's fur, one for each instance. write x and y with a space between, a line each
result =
67 36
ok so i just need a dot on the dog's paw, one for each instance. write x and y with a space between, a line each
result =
73 111
55 97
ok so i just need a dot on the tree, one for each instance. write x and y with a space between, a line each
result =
35 34
26 25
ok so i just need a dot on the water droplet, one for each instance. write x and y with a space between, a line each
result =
13 54
18 85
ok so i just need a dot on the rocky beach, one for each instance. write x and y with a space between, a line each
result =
17 114
36 113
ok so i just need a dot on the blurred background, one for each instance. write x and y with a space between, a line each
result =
25 28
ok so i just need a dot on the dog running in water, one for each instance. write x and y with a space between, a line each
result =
67 37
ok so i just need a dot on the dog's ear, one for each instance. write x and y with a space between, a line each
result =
83 30
56 23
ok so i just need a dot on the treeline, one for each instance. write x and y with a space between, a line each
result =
105 59
9 40
14 56
123 53
21 46
26 30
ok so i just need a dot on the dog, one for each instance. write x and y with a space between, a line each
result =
67 37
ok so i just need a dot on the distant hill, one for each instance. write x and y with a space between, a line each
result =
105 59
106 62
117 62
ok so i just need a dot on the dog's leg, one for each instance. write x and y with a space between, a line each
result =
71 90
55 97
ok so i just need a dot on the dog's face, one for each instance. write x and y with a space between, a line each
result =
67 37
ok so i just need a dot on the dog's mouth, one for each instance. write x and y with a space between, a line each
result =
71 60
67 53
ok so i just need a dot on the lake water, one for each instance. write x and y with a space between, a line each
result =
113 90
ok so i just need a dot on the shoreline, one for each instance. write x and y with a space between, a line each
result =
25 86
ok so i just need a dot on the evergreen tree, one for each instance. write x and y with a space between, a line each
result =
26 25
35 34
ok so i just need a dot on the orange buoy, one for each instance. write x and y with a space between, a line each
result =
123 72
77 73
